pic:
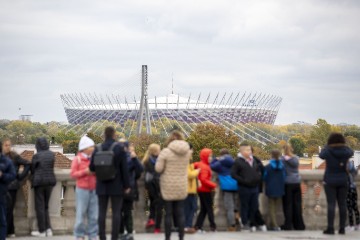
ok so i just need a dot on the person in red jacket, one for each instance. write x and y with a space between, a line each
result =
86 198
205 189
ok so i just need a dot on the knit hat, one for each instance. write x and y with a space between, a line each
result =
85 142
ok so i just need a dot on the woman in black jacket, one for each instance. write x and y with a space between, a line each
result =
14 185
336 154
43 181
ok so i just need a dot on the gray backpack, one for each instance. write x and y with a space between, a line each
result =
104 163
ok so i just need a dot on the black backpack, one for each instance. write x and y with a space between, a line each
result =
104 163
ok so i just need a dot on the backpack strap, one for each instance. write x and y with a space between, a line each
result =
99 147
113 146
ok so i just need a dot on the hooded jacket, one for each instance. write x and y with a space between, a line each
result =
336 157
42 165
8 175
274 178
192 179
205 175
223 168
172 164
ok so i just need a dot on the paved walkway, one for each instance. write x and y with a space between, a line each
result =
231 236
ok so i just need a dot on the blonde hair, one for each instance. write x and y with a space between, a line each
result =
288 150
150 151
174 135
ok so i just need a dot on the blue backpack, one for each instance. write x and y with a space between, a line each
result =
227 183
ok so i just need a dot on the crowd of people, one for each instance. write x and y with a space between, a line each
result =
175 184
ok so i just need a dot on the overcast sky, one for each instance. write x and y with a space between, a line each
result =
308 52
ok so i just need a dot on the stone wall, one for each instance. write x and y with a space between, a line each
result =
62 211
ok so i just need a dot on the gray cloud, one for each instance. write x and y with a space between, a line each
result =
305 51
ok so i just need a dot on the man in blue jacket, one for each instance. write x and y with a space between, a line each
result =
222 166
7 175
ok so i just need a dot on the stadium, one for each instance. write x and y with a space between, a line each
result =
228 110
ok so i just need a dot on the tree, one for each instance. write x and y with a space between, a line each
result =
142 142
352 142
298 145
96 138
321 131
214 137
71 146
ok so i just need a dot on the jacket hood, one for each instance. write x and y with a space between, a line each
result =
341 151
42 144
276 164
179 147
204 155
227 160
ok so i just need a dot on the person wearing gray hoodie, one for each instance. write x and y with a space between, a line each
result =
292 205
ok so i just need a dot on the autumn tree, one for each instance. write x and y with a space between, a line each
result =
298 144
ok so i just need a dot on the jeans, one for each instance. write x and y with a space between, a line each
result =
292 207
174 210
116 206
127 218
206 208
336 194
3 223
190 209
10 212
273 203
86 212
42 197
249 198
229 204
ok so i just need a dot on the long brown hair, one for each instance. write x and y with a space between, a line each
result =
288 150
150 151
174 135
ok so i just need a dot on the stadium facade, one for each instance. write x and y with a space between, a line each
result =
225 109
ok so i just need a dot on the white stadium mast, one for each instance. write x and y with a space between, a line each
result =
144 105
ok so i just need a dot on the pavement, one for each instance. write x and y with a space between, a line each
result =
230 236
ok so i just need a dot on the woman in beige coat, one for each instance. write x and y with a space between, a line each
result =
172 164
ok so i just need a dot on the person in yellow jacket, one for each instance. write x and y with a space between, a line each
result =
190 204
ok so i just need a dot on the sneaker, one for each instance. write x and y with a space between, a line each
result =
49 232
253 229
11 236
329 231
231 229
150 223
190 230
38 234
350 228
275 229
129 237
263 228
157 230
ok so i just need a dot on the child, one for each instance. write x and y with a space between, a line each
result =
247 173
7 175
152 185
352 199
274 178
228 185
206 186
135 169
190 207
86 198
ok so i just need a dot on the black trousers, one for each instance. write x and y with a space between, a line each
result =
336 194
10 211
127 218
292 207
174 210
116 206
156 209
42 198
206 208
